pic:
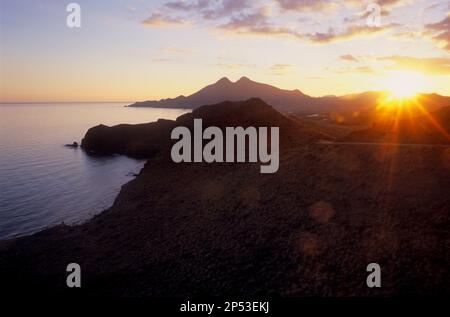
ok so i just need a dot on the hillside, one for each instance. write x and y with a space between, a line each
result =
310 229
227 230
146 140
432 128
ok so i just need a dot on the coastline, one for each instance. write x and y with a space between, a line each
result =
227 230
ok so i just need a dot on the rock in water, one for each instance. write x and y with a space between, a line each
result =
73 145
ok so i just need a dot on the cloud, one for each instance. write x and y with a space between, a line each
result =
351 70
226 8
321 5
187 6
257 18
440 32
280 66
391 3
364 69
280 69
234 65
349 33
432 66
210 9
255 23
160 20
304 5
349 58
384 4
443 5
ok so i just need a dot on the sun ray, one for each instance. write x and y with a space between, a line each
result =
432 120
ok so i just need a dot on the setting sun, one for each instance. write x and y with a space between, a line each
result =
404 84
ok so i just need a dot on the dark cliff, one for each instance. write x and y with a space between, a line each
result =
146 140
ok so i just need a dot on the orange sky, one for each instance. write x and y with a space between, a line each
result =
140 50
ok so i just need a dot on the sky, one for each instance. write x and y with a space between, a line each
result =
141 50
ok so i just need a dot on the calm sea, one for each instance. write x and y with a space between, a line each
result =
43 183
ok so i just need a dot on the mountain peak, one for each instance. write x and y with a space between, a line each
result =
223 80
243 79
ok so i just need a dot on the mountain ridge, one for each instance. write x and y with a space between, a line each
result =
226 90
283 100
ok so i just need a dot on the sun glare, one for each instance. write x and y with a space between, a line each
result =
404 84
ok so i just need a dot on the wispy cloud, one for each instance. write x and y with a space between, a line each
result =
280 66
433 66
234 66
321 5
210 9
440 32
305 5
160 20
348 58
256 23
188 6
349 33
364 69
384 4
280 69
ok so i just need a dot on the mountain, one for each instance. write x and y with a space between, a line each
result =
243 89
348 109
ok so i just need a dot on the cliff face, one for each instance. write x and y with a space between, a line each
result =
140 140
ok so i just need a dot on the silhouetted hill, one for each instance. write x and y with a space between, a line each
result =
429 128
368 108
243 89
145 140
